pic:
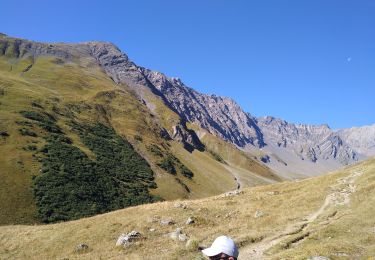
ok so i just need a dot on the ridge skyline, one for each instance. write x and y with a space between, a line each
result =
312 62
309 63
264 114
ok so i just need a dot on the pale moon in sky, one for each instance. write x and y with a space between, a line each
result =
349 59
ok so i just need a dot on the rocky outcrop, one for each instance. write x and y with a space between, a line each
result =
117 64
187 137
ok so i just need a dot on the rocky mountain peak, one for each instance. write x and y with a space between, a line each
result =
106 51
176 81
362 139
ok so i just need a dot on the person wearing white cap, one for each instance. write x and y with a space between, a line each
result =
223 248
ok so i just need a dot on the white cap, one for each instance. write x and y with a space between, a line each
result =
222 244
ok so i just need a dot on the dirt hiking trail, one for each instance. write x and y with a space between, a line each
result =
342 190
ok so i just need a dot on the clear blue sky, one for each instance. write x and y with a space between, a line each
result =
307 61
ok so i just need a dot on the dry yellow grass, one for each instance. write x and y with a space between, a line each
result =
350 231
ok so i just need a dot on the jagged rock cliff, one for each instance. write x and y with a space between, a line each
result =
220 116
311 149
309 142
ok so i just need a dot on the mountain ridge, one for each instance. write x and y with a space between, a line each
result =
47 90
223 117
293 151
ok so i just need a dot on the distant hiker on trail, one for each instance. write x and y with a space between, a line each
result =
223 248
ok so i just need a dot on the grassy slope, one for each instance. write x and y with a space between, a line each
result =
61 86
82 88
349 231
42 84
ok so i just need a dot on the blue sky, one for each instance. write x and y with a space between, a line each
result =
310 61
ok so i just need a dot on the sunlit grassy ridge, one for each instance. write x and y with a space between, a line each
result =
337 231
59 90
77 89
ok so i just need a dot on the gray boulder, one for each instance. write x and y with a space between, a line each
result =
127 239
178 235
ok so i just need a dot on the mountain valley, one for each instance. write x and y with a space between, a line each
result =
87 137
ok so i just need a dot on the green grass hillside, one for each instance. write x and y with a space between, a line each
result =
329 216
74 143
